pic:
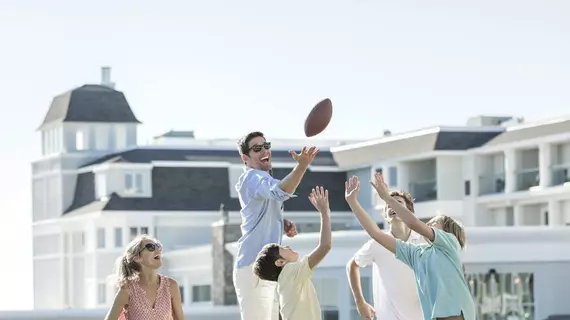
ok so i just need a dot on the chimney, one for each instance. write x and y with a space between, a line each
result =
223 291
106 77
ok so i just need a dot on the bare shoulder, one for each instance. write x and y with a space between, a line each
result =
172 282
123 293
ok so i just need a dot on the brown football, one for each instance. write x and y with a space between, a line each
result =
319 118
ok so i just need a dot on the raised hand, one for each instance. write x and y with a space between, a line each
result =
380 186
365 310
319 197
306 156
352 188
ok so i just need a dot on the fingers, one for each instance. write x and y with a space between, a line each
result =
294 155
319 192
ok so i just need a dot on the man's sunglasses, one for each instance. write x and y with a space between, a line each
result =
151 247
256 148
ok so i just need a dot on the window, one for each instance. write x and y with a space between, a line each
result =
201 293
118 237
181 293
494 292
133 182
379 170
467 187
79 140
100 238
134 232
393 176
101 293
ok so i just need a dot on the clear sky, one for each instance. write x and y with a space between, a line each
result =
225 67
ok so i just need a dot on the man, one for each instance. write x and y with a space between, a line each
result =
395 293
261 198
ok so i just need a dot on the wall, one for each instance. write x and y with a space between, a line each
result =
449 173
178 237
47 283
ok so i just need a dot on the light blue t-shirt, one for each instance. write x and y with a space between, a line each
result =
261 201
439 276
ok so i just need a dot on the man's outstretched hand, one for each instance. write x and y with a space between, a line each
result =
306 156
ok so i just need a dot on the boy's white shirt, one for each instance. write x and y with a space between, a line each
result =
394 287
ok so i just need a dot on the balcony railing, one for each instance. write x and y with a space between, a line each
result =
560 174
424 190
527 178
491 184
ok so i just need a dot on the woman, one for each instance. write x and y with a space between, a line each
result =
143 292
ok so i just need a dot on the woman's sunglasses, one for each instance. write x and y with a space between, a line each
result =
151 247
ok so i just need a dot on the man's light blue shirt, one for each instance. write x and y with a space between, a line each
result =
439 276
261 201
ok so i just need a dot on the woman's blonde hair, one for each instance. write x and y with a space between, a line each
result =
450 225
127 269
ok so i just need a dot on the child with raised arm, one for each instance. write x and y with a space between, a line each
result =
297 295
442 289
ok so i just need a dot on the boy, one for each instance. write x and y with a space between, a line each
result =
395 295
297 295
441 286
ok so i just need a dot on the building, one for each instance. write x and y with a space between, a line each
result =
94 189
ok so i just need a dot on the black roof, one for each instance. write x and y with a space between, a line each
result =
147 155
198 189
458 140
90 103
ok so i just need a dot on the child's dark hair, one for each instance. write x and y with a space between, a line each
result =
264 266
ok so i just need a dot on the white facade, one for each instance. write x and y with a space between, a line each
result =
513 197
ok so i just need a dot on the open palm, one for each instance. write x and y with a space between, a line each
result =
380 186
320 199
352 188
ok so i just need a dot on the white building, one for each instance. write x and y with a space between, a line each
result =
94 189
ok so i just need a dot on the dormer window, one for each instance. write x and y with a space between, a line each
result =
133 183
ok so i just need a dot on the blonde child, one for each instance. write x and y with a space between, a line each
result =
437 266
297 295
144 294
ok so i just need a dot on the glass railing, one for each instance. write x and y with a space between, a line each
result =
491 183
560 174
424 190
527 178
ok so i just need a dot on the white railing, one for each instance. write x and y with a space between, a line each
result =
194 313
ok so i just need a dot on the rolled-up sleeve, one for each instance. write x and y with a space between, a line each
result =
266 187
408 253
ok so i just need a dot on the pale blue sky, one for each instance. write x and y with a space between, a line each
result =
225 67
